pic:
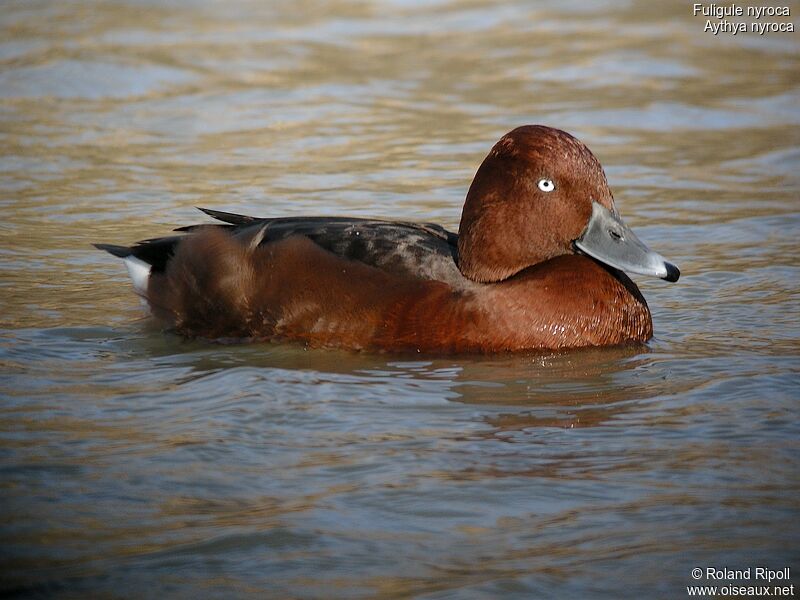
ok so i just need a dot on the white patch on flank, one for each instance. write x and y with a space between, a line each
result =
139 272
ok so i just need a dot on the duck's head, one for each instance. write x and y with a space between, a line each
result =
541 193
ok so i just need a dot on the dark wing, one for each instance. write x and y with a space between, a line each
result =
419 250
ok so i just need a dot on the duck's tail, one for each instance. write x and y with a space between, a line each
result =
151 256
138 269
118 251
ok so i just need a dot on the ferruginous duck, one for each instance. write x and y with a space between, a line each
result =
538 263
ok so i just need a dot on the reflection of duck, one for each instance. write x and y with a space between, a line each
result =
537 263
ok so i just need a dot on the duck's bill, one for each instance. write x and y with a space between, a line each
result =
610 241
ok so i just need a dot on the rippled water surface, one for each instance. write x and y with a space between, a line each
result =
136 464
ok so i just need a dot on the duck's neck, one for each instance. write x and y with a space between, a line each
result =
486 257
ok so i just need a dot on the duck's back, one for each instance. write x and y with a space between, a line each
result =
405 249
325 280
414 250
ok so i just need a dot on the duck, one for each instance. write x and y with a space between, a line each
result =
539 263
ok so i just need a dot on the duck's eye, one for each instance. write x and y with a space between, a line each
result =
546 185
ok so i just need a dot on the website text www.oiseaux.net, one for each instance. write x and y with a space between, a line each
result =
747 582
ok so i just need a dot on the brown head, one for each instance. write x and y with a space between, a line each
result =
531 197
534 198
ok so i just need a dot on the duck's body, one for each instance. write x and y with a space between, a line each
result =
510 281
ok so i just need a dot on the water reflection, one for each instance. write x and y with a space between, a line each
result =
133 460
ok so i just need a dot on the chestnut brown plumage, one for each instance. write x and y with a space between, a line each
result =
510 280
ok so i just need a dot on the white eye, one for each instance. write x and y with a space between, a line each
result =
546 185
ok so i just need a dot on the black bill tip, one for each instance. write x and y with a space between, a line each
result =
673 272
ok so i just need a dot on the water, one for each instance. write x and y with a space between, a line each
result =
137 464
